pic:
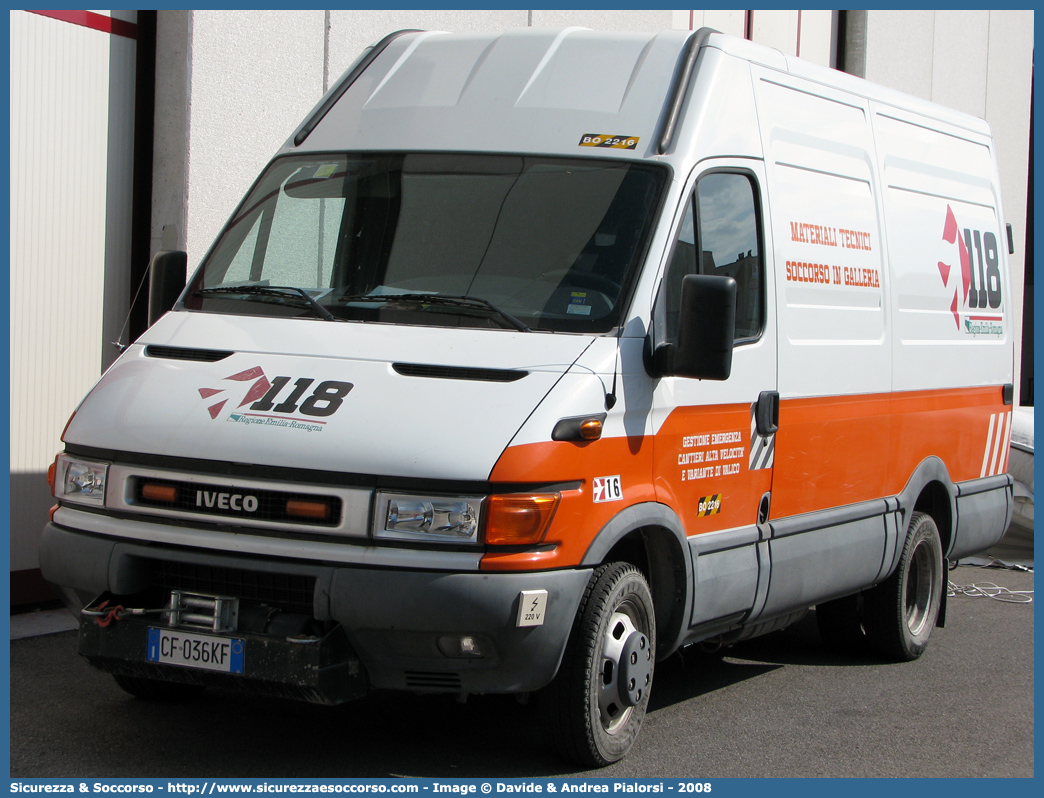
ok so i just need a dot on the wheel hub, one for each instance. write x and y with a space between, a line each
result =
920 587
626 672
635 668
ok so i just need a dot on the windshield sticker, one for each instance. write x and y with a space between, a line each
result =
298 409
605 140
326 170
578 304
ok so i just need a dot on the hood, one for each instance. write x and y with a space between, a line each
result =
370 399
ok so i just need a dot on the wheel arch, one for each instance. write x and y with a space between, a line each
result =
931 491
651 537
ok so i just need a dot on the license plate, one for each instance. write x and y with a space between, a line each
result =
174 647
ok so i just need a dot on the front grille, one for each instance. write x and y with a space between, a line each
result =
288 592
230 502
458 373
182 353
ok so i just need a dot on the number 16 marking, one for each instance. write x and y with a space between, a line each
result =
606 489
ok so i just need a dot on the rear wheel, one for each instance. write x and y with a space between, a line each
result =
596 703
901 612
155 689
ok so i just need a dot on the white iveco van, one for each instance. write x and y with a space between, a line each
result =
533 357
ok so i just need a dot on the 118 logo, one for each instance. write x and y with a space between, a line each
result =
980 286
323 400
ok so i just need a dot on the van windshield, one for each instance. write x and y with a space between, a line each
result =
436 239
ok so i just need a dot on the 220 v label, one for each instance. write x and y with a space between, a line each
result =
174 647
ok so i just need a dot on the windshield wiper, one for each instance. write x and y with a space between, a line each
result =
467 302
285 291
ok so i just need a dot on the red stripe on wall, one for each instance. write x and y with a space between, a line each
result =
88 19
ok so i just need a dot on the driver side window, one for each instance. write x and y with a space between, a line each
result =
720 234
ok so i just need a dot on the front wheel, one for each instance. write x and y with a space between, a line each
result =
596 703
901 612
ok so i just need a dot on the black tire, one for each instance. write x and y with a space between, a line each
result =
595 706
156 690
840 624
900 613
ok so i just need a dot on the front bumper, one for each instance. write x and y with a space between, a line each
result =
321 670
394 622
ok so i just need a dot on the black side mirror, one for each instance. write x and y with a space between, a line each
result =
707 330
166 282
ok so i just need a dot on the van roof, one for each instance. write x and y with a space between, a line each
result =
538 91
757 53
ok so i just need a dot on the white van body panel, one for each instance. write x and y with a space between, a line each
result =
822 183
719 117
941 339
388 423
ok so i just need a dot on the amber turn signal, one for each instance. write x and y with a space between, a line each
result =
591 430
519 519
159 493
306 509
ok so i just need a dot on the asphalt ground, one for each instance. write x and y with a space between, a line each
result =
777 706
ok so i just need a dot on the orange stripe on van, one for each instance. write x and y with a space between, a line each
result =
703 452
578 517
834 451
828 452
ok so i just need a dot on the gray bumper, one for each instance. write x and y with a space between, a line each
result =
984 510
403 625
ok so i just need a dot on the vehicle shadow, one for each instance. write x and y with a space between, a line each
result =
385 734
105 732
801 644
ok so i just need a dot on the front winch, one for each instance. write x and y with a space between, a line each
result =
221 642
216 614
207 613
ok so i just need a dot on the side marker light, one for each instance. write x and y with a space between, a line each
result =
591 430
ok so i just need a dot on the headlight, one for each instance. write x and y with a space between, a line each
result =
439 519
81 481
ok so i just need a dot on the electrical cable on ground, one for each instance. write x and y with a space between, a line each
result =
990 590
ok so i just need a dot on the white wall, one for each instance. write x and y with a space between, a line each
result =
254 76
72 105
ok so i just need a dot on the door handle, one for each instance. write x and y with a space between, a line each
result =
766 412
